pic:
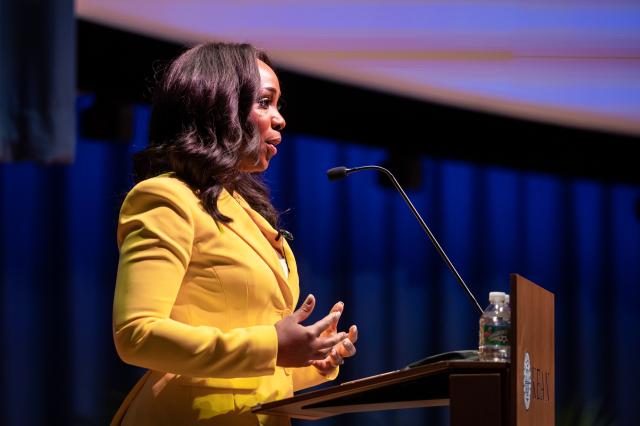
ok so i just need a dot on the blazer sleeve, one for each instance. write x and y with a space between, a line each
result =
307 377
155 236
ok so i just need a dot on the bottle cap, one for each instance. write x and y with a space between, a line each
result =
496 297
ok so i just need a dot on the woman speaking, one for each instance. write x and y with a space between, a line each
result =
207 286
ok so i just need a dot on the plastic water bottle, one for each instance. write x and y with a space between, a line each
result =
495 328
507 311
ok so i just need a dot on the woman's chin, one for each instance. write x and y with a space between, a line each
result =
258 167
262 167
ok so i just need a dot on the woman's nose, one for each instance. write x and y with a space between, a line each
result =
277 121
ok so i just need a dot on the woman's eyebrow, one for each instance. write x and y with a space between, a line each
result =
270 89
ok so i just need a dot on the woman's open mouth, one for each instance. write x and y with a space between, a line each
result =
271 146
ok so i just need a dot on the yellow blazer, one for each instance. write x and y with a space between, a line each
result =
196 302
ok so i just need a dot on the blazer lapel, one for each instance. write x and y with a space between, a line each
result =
293 272
259 235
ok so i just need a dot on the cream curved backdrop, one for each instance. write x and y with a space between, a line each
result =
568 62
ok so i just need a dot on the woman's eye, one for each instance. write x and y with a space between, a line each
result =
264 102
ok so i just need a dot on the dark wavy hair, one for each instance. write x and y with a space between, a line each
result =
200 127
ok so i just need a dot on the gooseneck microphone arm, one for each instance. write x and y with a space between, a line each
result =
341 172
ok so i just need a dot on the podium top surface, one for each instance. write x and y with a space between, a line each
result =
377 382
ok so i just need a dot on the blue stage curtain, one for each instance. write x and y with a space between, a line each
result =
355 241
37 81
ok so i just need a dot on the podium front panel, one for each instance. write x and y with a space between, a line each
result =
533 355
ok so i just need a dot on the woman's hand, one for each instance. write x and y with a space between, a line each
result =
344 349
300 346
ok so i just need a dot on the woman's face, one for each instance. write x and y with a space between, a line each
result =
268 120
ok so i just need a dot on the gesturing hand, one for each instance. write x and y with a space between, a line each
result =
298 345
344 349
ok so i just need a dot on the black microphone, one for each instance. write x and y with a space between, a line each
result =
337 173
341 172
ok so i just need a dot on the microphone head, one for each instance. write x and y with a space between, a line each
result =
337 173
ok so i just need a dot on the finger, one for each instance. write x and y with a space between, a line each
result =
323 364
333 327
346 348
305 310
338 307
324 323
320 355
353 334
331 341
324 351
336 358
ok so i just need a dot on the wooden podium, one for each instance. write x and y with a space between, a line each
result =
521 392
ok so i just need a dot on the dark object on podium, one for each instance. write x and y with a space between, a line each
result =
521 392
469 355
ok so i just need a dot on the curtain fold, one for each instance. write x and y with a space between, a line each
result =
37 81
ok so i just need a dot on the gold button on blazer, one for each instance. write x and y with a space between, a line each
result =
196 302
